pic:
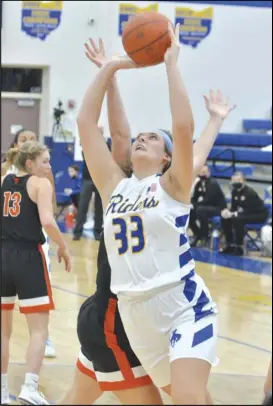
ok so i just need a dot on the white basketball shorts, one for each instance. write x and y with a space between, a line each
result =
179 321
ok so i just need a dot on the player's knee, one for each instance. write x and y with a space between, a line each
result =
40 334
190 395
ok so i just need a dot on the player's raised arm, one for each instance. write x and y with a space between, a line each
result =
180 173
103 169
118 123
219 109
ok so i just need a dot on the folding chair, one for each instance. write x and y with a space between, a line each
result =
255 242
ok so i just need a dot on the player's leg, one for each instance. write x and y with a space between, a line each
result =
189 387
85 389
8 297
35 301
50 351
38 329
6 330
142 395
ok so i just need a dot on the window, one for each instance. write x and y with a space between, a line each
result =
21 80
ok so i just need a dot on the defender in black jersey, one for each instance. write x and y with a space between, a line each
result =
24 271
106 354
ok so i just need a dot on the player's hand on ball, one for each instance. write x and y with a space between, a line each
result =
96 52
217 105
63 253
171 55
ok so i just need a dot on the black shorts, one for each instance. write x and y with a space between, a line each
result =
25 273
106 354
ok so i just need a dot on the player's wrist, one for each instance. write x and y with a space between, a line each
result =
63 247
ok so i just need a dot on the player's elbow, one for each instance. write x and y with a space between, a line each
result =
47 220
87 126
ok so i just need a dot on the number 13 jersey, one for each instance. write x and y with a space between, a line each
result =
20 217
145 236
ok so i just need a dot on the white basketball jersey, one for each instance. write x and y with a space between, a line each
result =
45 246
145 236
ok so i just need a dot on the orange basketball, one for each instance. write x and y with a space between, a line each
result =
146 38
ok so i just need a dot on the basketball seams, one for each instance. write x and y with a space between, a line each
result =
148 45
140 26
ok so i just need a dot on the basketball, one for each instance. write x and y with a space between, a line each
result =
146 38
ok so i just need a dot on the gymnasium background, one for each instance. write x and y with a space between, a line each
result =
234 54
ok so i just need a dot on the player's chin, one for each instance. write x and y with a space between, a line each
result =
43 174
139 152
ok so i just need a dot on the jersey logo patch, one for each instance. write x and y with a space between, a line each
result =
175 338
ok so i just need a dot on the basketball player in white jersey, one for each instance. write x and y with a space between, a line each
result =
20 138
166 309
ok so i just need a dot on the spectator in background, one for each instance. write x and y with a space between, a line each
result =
246 208
74 191
88 188
207 201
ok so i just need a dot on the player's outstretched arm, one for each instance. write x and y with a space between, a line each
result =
103 169
118 123
219 109
119 127
180 173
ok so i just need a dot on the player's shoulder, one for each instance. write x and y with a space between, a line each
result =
40 183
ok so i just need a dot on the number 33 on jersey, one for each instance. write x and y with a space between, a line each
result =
132 228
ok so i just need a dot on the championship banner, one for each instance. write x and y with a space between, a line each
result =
194 25
39 18
126 11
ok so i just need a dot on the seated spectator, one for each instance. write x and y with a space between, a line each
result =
74 191
246 208
208 200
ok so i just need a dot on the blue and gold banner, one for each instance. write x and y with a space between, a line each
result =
129 10
39 18
194 25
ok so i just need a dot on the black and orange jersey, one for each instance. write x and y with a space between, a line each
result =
20 217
